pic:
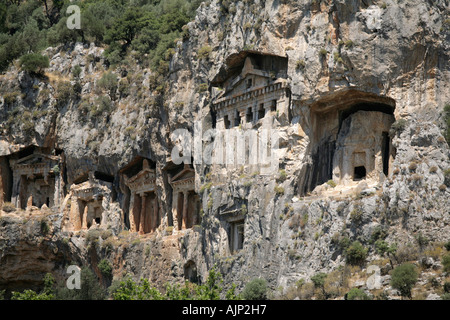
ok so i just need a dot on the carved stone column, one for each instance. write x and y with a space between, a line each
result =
175 209
243 115
255 113
155 218
85 218
185 209
132 212
74 223
142 214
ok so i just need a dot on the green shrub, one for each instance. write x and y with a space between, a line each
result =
378 233
124 88
382 247
397 127
105 268
129 290
403 278
357 294
212 288
11 97
447 287
76 72
300 64
349 44
90 288
331 183
344 242
279 190
256 289
102 104
46 294
447 246
446 262
447 177
282 175
204 52
447 123
45 228
8 207
29 295
422 241
356 214
356 254
319 279
108 82
202 87
34 63
64 91
93 235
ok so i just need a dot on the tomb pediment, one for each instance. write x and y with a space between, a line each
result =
35 164
37 159
88 191
184 177
144 181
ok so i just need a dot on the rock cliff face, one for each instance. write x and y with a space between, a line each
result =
378 65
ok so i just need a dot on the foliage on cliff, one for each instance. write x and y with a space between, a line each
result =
147 27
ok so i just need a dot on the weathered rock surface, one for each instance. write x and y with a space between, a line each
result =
340 53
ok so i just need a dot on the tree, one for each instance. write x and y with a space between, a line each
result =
356 253
357 294
212 288
90 288
126 26
34 63
129 290
255 290
446 262
106 269
403 278
109 82
319 282
383 248
46 294
447 123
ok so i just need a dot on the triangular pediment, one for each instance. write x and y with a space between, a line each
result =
184 174
37 158
144 174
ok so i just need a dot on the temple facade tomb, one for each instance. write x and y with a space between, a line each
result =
185 202
87 204
232 220
347 136
363 147
36 180
144 213
257 91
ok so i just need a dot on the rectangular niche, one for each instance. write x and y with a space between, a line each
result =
236 236
359 166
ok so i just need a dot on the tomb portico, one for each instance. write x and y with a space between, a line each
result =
144 215
255 85
87 202
36 180
185 202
